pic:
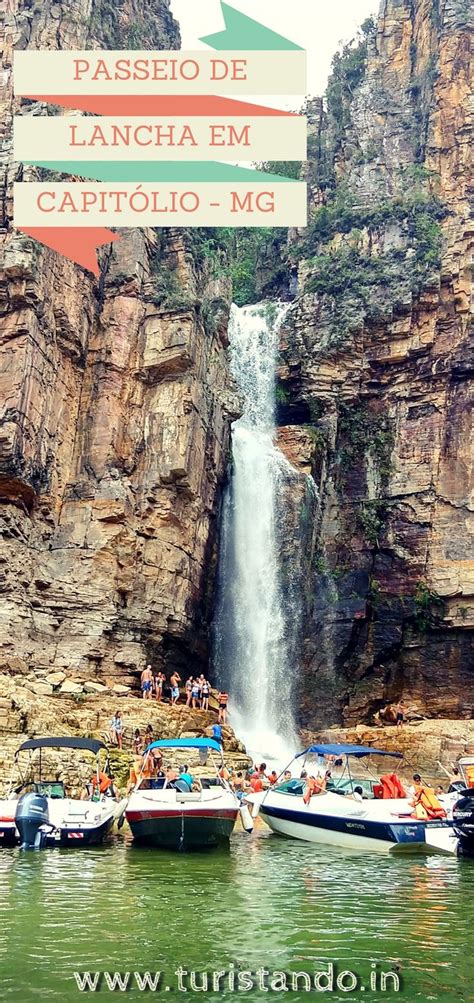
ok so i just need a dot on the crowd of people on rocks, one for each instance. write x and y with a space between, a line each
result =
194 694
196 690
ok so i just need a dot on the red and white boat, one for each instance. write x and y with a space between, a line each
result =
182 816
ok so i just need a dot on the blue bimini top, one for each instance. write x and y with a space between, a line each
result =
347 750
185 743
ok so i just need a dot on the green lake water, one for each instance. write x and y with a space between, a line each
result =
265 903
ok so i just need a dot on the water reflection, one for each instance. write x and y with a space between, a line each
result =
267 901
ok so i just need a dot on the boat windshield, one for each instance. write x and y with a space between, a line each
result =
50 789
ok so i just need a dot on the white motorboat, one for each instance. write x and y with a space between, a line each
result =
180 816
38 813
380 819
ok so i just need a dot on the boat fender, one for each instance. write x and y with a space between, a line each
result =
246 818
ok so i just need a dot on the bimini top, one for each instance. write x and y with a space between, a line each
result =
347 750
91 744
185 743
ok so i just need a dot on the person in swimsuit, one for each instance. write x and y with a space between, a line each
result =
137 742
206 689
175 680
147 682
149 738
158 685
400 719
189 691
195 695
223 700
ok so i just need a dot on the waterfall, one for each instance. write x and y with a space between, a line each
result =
256 618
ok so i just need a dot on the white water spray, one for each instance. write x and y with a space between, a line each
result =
251 649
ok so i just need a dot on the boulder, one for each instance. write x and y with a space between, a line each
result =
71 688
41 687
55 678
91 687
119 690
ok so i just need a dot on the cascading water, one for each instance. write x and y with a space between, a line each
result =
254 622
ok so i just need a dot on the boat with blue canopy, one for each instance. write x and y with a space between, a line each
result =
334 797
182 807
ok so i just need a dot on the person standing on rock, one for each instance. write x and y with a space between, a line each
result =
206 689
147 682
189 691
223 700
158 685
175 680
195 694
400 710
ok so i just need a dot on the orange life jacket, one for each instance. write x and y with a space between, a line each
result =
426 803
256 783
470 775
392 786
313 786
104 782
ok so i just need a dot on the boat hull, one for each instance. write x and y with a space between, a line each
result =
63 831
356 832
181 830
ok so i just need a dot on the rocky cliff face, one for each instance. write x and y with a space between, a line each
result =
376 372
115 402
115 406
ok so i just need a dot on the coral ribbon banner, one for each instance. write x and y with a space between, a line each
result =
78 245
188 106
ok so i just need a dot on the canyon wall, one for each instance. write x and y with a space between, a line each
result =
116 400
115 406
375 381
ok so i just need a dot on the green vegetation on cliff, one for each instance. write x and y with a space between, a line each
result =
252 258
367 276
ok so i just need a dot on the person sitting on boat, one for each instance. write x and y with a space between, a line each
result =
143 769
273 777
357 793
425 803
102 784
186 776
314 785
171 774
238 782
256 782
287 776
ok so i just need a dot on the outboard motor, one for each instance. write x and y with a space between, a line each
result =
463 823
31 813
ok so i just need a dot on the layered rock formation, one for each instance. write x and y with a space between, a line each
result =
376 368
116 402
115 406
